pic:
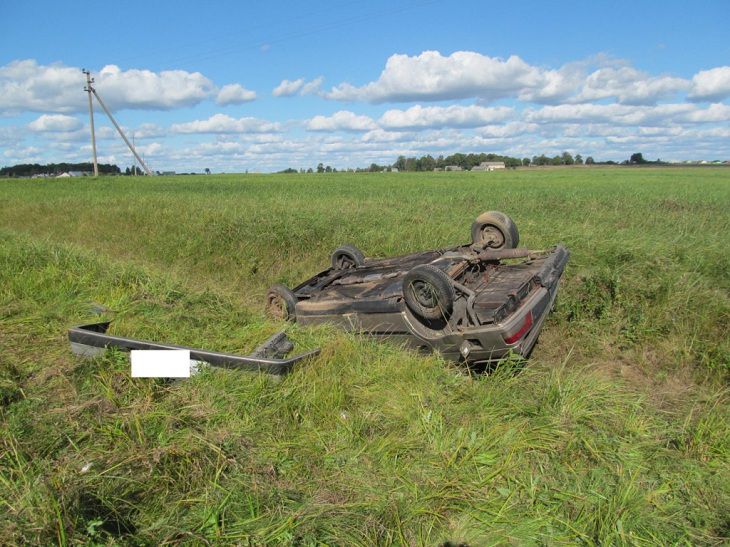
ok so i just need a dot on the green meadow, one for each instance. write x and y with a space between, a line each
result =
616 431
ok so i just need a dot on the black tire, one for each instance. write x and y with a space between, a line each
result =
429 292
346 257
281 303
494 230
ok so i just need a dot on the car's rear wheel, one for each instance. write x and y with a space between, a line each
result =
281 303
429 292
346 257
494 230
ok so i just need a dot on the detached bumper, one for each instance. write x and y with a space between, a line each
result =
91 340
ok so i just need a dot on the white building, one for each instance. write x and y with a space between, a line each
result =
489 166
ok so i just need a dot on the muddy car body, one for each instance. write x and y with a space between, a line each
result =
474 303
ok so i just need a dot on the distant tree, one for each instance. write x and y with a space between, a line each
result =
637 158
590 160
320 168
127 171
525 162
328 169
566 159
556 160
578 159
310 170
207 171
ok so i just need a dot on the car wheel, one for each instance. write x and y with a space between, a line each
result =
429 292
346 257
494 230
281 303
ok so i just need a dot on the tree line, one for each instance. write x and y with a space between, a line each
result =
466 162
52 169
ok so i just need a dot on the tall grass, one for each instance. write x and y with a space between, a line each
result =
616 432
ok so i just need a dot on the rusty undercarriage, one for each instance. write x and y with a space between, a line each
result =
473 303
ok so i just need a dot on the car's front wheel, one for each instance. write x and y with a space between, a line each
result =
429 292
494 230
281 303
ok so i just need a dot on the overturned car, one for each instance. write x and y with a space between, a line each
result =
474 303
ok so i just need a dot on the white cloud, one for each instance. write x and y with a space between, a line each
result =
55 123
629 86
152 149
289 88
165 90
147 131
716 112
711 85
507 130
23 154
26 85
420 117
343 120
234 94
615 114
222 123
431 76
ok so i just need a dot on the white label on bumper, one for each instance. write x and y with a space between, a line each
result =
157 363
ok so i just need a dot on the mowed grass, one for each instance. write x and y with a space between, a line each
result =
617 431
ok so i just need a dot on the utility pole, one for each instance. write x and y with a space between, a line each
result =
119 129
88 89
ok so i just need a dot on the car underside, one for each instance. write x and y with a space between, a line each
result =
474 303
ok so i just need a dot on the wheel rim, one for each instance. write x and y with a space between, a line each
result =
490 236
425 295
344 262
277 307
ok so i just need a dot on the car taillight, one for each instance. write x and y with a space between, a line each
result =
526 325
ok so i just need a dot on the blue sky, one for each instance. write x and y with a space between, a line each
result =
236 86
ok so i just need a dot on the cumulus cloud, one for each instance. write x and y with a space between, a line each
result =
289 88
711 85
28 86
420 117
234 94
343 120
55 123
148 131
165 90
714 113
629 86
221 123
616 114
431 76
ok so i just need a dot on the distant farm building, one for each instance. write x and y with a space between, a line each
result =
453 168
68 174
489 166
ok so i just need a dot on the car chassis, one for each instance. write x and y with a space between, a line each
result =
474 303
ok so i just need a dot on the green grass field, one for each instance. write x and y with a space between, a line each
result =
616 432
